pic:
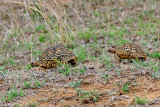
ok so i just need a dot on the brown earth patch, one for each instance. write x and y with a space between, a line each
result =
67 96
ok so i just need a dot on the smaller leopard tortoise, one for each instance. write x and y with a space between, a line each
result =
128 51
55 55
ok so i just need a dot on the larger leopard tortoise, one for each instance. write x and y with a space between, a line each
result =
55 55
128 51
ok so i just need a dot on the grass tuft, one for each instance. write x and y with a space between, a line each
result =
13 93
140 100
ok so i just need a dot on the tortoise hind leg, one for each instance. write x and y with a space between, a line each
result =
117 57
42 68
34 64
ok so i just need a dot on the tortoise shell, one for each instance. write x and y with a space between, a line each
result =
55 55
129 51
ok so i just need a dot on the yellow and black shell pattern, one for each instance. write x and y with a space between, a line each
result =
130 51
55 55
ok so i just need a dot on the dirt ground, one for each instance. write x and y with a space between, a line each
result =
58 92
66 96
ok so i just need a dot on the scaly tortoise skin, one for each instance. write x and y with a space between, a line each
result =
55 55
129 51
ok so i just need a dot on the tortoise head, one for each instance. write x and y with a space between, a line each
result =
142 57
72 58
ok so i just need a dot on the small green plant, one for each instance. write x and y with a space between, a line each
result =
2 68
32 104
155 67
40 28
156 74
107 62
141 33
5 45
125 88
75 83
28 46
45 100
65 71
106 77
42 38
122 41
27 84
82 70
136 63
13 94
117 71
9 61
86 35
95 13
28 66
39 84
16 105
36 12
81 53
118 84
87 96
3 73
144 64
35 53
155 54
140 100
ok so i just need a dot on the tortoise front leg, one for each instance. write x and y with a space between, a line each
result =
117 57
42 68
